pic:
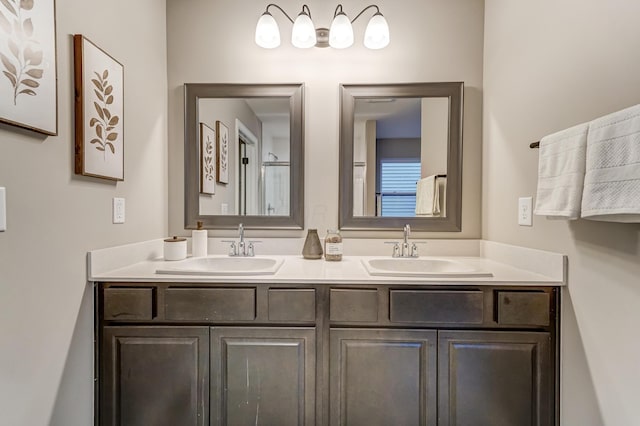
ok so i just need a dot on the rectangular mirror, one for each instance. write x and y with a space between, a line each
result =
400 156
244 155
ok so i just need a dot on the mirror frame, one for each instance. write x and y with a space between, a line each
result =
193 92
348 95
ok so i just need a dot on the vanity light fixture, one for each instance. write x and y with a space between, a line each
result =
305 35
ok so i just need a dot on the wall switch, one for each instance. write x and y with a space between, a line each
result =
525 204
3 210
118 210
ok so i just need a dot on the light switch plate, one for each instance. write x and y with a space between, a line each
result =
118 210
525 205
3 210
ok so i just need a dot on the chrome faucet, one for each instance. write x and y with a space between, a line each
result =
241 248
404 249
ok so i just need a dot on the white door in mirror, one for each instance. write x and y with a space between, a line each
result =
3 210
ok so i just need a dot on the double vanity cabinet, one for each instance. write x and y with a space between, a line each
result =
277 354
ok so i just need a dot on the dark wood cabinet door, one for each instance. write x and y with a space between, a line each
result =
263 376
494 378
155 376
382 377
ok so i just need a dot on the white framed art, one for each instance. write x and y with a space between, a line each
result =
207 160
99 111
222 155
28 84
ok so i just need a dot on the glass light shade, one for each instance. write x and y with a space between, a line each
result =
267 32
376 36
341 32
303 34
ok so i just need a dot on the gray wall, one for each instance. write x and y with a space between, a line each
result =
55 217
213 41
550 65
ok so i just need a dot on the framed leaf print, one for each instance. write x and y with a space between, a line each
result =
28 84
207 160
222 152
99 84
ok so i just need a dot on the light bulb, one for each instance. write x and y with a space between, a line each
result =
267 32
303 34
376 36
341 32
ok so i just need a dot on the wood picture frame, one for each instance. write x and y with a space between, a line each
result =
29 81
222 152
208 162
99 111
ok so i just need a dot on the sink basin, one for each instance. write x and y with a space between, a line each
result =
421 267
223 266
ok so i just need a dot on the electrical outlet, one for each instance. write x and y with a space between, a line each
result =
118 210
3 210
525 205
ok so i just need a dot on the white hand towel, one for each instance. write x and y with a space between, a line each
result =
612 180
427 197
561 168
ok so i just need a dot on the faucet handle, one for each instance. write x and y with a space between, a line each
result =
396 248
414 248
232 248
251 248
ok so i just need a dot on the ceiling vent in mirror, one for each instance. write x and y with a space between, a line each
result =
305 35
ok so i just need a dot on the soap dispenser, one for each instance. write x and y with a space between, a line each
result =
199 241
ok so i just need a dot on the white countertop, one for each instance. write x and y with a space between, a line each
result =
139 262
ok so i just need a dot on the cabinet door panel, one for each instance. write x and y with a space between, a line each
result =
494 378
262 376
155 376
382 377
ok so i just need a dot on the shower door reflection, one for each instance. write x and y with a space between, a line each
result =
275 188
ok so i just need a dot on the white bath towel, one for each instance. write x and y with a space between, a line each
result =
612 179
561 168
427 197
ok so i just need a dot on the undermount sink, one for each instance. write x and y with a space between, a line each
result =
421 267
223 266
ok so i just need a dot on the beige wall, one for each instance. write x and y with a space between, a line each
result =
430 41
550 65
54 217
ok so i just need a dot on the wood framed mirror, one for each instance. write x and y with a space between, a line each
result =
244 156
401 156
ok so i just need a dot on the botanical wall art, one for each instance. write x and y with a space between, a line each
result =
28 84
207 159
222 154
99 84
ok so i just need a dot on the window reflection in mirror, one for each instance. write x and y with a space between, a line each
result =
258 156
400 156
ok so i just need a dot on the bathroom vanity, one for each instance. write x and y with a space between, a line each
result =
320 344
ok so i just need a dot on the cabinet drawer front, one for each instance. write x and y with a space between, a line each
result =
210 304
348 305
523 308
128 304
292 304
415 306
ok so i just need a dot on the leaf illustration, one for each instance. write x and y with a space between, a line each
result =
11 77
112 136
4 23
9 6
35 73
99 131
108 90
27 26
28 92
93 122
34 57
99 109
98 95
26 4
113 148
30 83
8 65
98 75
114 120
109 100
95 141
107 114
99 148
13 47
97 84
105 74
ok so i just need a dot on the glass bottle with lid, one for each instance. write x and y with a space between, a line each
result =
333 245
